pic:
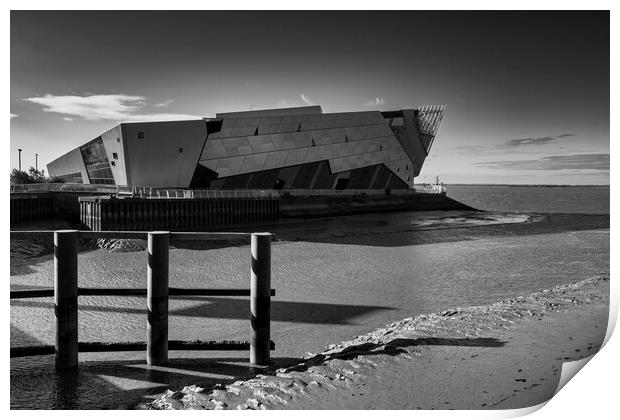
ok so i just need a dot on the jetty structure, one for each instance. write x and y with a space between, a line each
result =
242 167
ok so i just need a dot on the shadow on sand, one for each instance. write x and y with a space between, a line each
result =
227 308
127 383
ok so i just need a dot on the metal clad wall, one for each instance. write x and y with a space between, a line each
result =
348 140
167 153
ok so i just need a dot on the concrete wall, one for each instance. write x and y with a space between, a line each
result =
68 163
166 156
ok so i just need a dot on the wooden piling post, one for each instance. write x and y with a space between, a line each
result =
66 298
260 299
157 298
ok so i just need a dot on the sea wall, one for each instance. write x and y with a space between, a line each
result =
304 207
46 205
104 213
30 206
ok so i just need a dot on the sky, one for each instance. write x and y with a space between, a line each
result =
527 93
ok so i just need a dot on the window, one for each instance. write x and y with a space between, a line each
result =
75 178
96 161
180 150
118 139
140 134
115 156
113 163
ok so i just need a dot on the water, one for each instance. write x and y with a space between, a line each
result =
541 199
335 278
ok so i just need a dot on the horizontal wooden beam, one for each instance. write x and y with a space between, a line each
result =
32 351
102 291
33 234
197 236
31 293
177 291
87 234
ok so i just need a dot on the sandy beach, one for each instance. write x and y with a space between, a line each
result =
500 356
336 278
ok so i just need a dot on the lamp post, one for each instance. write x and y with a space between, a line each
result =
20 159
36 162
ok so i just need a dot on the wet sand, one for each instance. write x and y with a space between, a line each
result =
500 356
335 278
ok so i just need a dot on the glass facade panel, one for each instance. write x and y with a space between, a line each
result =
96 162
74 178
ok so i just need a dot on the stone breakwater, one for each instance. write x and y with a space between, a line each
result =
342 366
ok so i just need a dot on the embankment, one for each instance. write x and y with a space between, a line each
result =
303 207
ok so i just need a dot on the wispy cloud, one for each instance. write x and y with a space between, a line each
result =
164 103
68 119
118 107
283 103
595 161
535 140
306 100
374 102
14 115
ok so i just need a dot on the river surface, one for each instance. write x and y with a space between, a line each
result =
542 199
334 277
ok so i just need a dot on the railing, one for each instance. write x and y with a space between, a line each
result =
151 192
157 292
69 187
431 188
148 192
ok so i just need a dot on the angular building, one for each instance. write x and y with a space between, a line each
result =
300 148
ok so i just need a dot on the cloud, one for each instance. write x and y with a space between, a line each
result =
14 115
306 100
68 119
118 107
594 161
535 140
164 103
374 102
283 103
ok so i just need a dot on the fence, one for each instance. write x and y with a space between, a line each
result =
157 292
152 192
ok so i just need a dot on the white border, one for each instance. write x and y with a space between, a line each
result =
592 394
